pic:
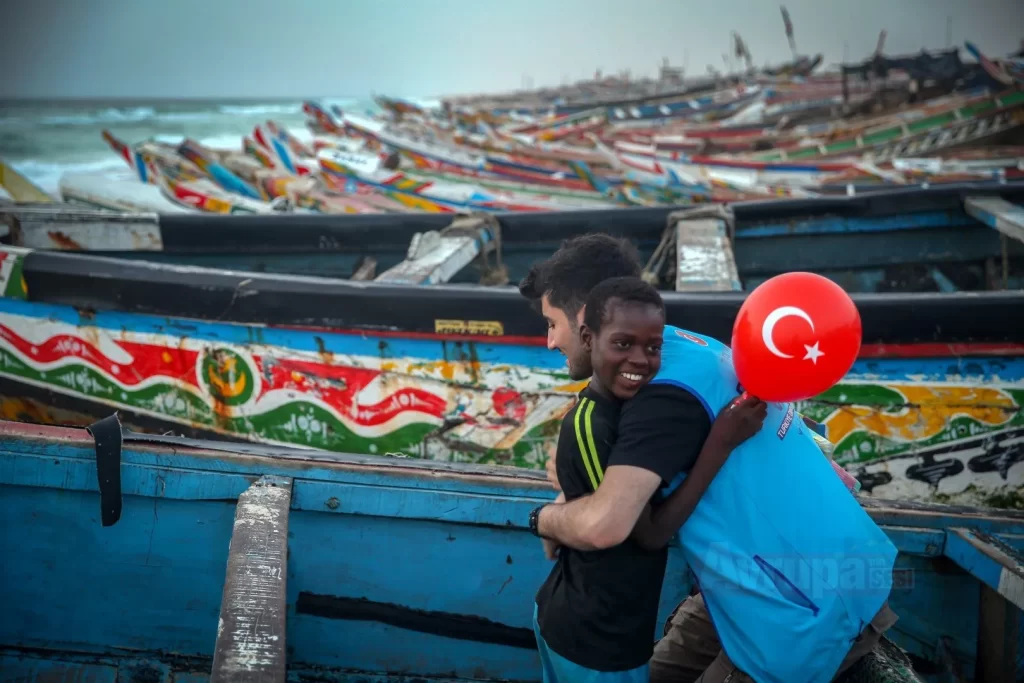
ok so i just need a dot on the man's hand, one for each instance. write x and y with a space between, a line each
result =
739 421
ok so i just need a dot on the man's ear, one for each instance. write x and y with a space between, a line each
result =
586 338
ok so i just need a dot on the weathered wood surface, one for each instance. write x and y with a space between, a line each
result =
704 257
251 632
70 228
436 257
396 563
998 213
990 560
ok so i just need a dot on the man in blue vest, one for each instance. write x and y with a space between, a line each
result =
794 575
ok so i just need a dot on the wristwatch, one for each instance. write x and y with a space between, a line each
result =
534 517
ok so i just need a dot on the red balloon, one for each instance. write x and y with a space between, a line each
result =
796 335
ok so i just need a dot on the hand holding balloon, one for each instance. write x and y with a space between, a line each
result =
795 336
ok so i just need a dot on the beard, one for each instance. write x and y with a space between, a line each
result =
579 366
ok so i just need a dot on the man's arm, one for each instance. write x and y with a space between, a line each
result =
661 431
604 518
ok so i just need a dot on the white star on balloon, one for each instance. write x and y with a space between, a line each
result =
813 353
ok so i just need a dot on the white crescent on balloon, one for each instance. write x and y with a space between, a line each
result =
768 328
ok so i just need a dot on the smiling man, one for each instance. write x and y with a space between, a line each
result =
772 534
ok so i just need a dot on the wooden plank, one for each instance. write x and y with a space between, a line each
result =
999 214
251 632
366 269
989 560
58 226
704 257
998 625
435 257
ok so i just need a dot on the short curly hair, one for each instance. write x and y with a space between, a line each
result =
580 264
625 290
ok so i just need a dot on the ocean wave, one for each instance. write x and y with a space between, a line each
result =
47 174
106 116
133 115
56 138
260 109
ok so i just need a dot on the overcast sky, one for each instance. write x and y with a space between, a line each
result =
314 48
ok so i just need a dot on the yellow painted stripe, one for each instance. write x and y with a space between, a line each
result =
590 442
579 441
21 188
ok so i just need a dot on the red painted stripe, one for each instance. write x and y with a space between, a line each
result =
931 350
917 350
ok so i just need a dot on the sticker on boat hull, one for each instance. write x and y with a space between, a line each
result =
487 328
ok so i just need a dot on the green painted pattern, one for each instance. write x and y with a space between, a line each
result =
15 288
863 446
300 422
306 423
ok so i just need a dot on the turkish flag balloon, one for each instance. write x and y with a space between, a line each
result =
796 336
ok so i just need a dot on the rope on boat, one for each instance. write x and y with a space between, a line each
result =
655 267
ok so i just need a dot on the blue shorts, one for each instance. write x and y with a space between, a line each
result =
558 669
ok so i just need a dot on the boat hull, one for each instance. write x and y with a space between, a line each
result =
142 599
457 393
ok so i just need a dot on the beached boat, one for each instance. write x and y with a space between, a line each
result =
905 239
153 558
459 372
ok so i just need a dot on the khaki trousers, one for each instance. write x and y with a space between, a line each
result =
690 651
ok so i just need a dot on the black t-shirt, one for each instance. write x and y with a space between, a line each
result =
599 608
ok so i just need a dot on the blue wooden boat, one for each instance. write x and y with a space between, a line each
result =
141 558
459 372
906 239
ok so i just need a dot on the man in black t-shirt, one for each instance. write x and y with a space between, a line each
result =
596 612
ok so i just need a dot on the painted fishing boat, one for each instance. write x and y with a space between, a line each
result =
211 562
117 192
894 239
460 373
366 170
985 117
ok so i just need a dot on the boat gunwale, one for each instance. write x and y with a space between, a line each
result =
41 440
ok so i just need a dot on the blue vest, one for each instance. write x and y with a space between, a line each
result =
790 565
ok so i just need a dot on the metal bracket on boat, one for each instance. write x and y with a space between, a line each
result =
250 644
108 437
435 257
701 240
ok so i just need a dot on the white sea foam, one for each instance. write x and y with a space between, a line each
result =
47 175
44 141
268 110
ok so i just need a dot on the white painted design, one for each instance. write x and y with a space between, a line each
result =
768 328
